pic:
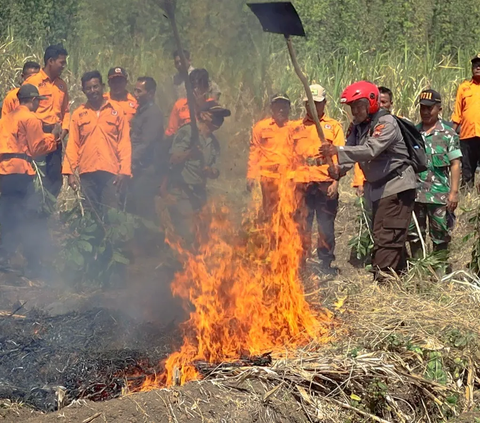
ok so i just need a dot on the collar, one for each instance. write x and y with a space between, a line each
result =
439 127
45 77
126 97
143 107
272 123
307 121
108 103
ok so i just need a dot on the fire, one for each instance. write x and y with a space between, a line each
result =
244 298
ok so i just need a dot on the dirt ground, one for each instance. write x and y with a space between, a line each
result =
195 403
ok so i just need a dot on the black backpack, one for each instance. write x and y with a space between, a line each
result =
413 140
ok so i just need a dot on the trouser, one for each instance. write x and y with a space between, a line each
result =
53 172
141 193
187 202
99 191
270 196
439 226
470 159
391 219
20 220
312 201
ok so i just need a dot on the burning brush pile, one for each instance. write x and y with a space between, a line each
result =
244 295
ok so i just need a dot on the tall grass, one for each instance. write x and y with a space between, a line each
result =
247 79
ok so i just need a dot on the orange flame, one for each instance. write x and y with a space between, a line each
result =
243 298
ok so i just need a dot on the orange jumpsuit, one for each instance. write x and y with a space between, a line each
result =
128 104
21 140
269 159
313 183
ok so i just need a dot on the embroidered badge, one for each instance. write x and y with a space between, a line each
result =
378 130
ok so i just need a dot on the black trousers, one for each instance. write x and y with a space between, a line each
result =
99 191
53 180
312 201
20 221
470 159
391 219
142 189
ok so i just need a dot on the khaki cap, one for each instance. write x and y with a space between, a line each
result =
318 93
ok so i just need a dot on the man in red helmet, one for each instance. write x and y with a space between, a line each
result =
383 156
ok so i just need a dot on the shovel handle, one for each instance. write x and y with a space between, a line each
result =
306 86
169 7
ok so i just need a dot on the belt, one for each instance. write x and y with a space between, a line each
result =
23 156
47 128
392 175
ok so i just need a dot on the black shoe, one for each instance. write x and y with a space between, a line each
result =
326 268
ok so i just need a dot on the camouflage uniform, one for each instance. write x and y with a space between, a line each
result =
433 187
188 181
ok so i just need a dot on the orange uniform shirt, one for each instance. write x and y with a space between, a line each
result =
180 116
21 133
306 143
56 107
99 140
270 150
128 105
467 109
10 102
358 177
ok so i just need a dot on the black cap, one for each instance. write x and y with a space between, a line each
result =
279 96
213 107
116 72
430 97
476 58
29 91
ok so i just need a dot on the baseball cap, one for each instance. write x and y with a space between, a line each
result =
318 93
476 58
213 107
30 91
279 96
116 72
430 97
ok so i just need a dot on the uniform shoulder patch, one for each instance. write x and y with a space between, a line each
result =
378 130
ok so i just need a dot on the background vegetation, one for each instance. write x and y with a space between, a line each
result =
406 45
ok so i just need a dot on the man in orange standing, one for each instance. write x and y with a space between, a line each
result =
180 114
99 148
467 116
53 109
10 102
117 81
21 140
270 155
316 191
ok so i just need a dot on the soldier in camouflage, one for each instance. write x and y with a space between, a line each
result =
437 187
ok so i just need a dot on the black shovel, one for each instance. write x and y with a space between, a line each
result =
282 18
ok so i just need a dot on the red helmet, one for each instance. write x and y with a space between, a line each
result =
362 89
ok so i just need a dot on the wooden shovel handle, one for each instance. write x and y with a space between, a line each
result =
306 86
